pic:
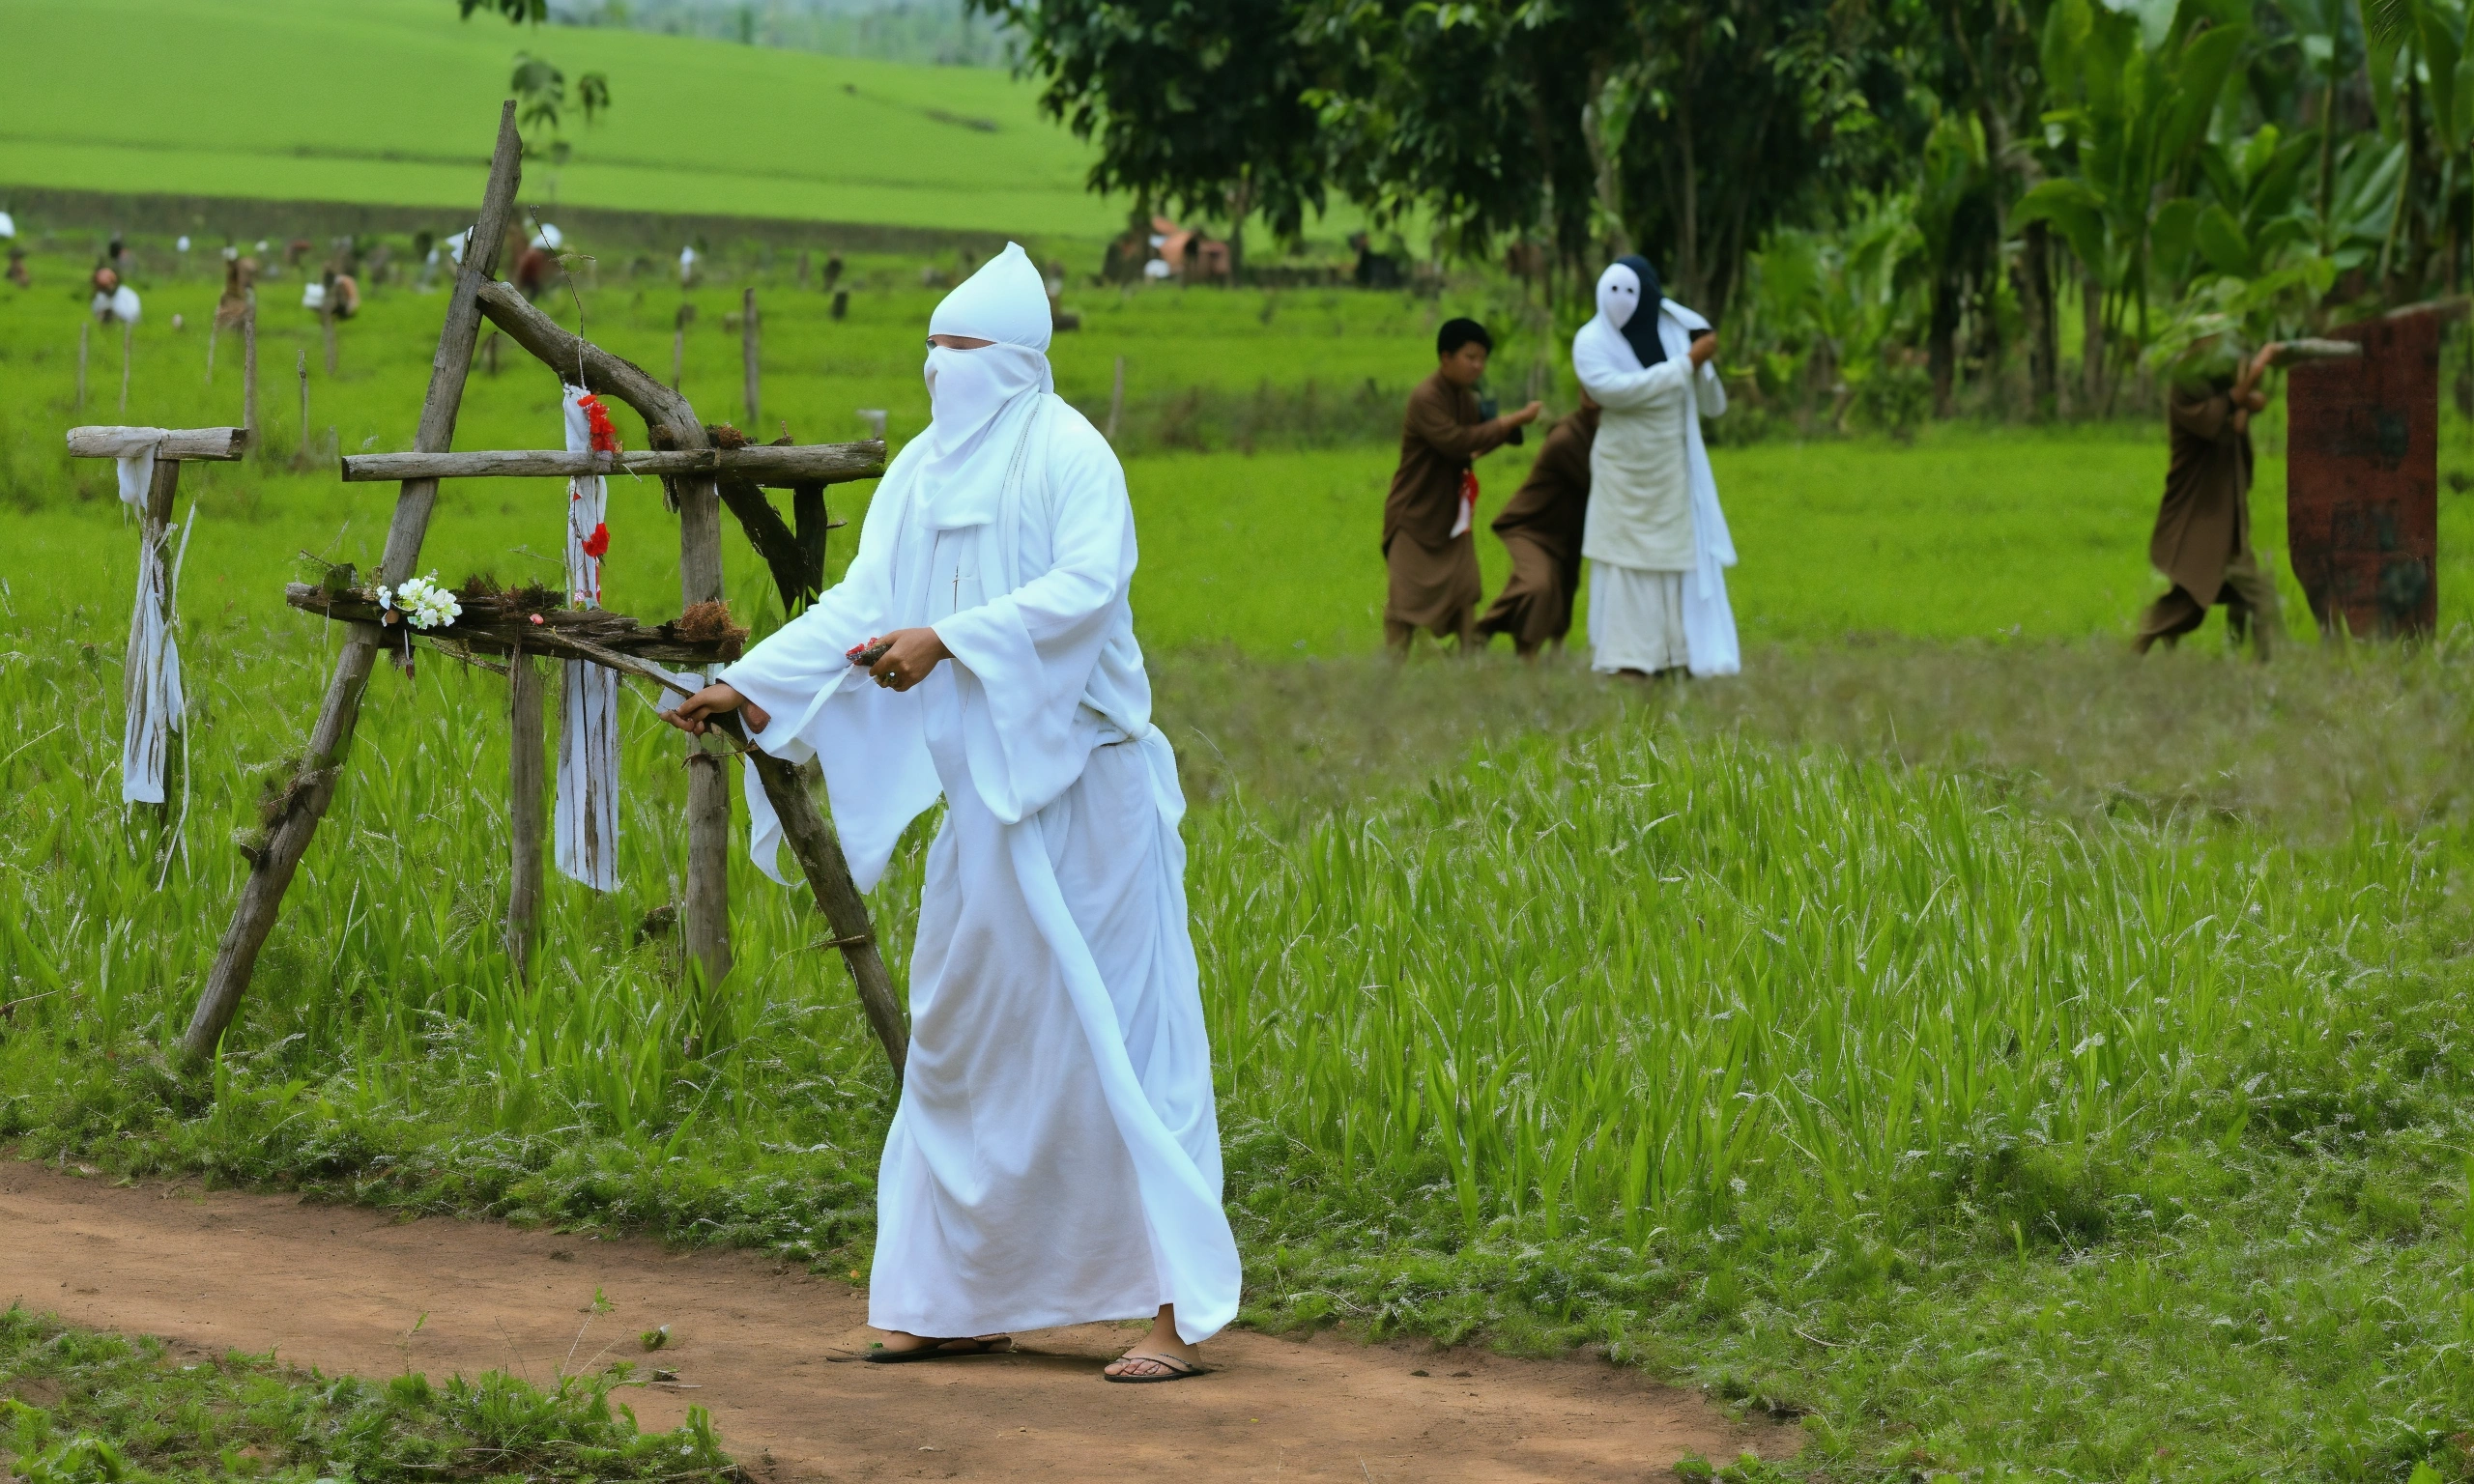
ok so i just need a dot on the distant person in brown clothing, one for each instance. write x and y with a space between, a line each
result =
2203 541
1428 544
1541 529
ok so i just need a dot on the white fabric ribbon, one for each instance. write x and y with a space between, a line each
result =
156 705
585 821
132 450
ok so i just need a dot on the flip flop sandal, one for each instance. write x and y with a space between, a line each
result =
1178 1370
942 1350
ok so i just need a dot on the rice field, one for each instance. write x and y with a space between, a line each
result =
395 102
2006 1059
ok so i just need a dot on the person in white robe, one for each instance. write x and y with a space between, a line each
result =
1656 540
1054 1158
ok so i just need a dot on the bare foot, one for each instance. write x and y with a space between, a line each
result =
1145 1360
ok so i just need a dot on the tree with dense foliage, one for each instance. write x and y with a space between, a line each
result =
1947 173
1192 103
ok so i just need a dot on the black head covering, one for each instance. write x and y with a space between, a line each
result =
1640 331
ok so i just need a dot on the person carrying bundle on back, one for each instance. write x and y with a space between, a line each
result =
1428 547
1541 528
2202 538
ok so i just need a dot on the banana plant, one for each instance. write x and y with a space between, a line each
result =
2423 92
2134 105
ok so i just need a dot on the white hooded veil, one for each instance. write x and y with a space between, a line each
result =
1603 355
969 392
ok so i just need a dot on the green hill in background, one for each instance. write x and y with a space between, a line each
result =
393 101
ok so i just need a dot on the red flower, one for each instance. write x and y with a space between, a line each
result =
598 542
604 435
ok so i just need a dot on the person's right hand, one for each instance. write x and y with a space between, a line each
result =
691 716
1525 416
1704 350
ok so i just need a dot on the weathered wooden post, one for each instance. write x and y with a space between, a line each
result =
747 350
327 320
152 700
303 368
525 772
2362 476
304 801
249 369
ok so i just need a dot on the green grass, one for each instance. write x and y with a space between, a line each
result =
2007 1057
1971 532
79 1408
395 102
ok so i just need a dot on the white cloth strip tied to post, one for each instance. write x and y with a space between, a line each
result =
585 823
156 703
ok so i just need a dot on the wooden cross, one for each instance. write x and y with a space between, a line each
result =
176 446
699 478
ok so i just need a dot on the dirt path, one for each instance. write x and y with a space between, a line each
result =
767 1348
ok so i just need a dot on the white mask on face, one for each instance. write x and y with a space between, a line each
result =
1619 295
1005 302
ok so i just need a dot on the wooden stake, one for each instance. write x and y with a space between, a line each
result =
313 787
525 772
249 368
128 338
819 851
707 935
85 329
303 369
213 332
327 325
699 581
1116 401
747 350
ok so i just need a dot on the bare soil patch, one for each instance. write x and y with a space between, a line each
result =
771 1350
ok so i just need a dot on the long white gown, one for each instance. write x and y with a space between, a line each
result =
1055 1156
1657 540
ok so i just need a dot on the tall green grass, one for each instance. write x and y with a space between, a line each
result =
395 102
1933 1039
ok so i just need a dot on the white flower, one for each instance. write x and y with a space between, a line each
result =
424 603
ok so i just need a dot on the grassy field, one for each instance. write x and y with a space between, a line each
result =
1972 533
2005 1057
82 1406
394 101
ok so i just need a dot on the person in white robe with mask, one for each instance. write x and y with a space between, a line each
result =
1054 1158
1656 540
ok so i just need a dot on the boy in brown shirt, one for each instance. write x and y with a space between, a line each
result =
1428 544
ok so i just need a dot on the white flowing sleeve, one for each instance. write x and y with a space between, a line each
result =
1025 659
1708 391
1614 381
877 773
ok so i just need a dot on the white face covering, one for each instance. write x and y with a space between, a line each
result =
1006 304
1619 294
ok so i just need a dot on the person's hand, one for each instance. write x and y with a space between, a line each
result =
909 655
1525 415
1704 350
692 714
